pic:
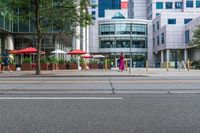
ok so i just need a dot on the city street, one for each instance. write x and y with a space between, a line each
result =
99 104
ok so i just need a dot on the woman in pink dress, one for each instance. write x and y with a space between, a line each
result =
121 62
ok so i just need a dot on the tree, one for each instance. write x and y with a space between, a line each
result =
59 15
196 37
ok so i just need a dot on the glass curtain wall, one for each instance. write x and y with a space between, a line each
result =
120 36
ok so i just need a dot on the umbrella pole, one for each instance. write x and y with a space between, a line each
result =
78 62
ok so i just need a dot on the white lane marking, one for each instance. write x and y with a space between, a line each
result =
61 98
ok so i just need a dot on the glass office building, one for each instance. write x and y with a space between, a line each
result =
108 4
17 34
125 36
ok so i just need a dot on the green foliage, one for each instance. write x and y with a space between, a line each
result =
26 60
108 61
44 60
93 62
61 15
52 59
81 61
196 64
196 37
0 60
61 61
73 60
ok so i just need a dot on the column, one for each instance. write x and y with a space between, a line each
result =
162 57
168 55
84 38
87 39
185 55
9 42
77 38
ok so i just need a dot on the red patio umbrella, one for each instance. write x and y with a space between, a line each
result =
14 52
29 50
77 51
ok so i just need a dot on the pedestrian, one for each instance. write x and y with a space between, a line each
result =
6 60
121 62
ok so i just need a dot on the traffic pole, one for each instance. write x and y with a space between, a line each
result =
167 66
188 64
106 65
147 65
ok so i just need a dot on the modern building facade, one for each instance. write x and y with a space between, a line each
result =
115 34
169 21
107 4
137 9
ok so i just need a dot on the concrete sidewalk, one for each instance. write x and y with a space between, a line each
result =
152 72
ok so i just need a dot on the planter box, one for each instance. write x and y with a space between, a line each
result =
12 67
62 66
53 66
108 66
26 67
44 66
73 66
83 66
94 66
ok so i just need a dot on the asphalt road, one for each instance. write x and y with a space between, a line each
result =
107 85
99 105
138 113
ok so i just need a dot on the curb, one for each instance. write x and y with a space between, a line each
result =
31 76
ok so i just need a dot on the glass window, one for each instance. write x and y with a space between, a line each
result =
139 29
154 42
139 43
198 3
158 25
169 5
158 40
178 5
93 12
159 5
122 28
187 20
2 21
171 21
122 43
187 36
23 27
106 29
189 3
154 29
107 44
163 38
157 14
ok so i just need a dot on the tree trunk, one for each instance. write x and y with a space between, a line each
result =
39 37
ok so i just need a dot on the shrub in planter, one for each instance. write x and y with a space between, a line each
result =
93 64
44 64
196 64
53 63
62 64
73 64
26 64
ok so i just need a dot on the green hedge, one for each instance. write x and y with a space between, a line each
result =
196 64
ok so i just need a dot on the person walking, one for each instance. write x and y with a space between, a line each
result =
6 60
121 62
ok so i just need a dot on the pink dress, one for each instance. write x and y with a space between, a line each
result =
121 62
